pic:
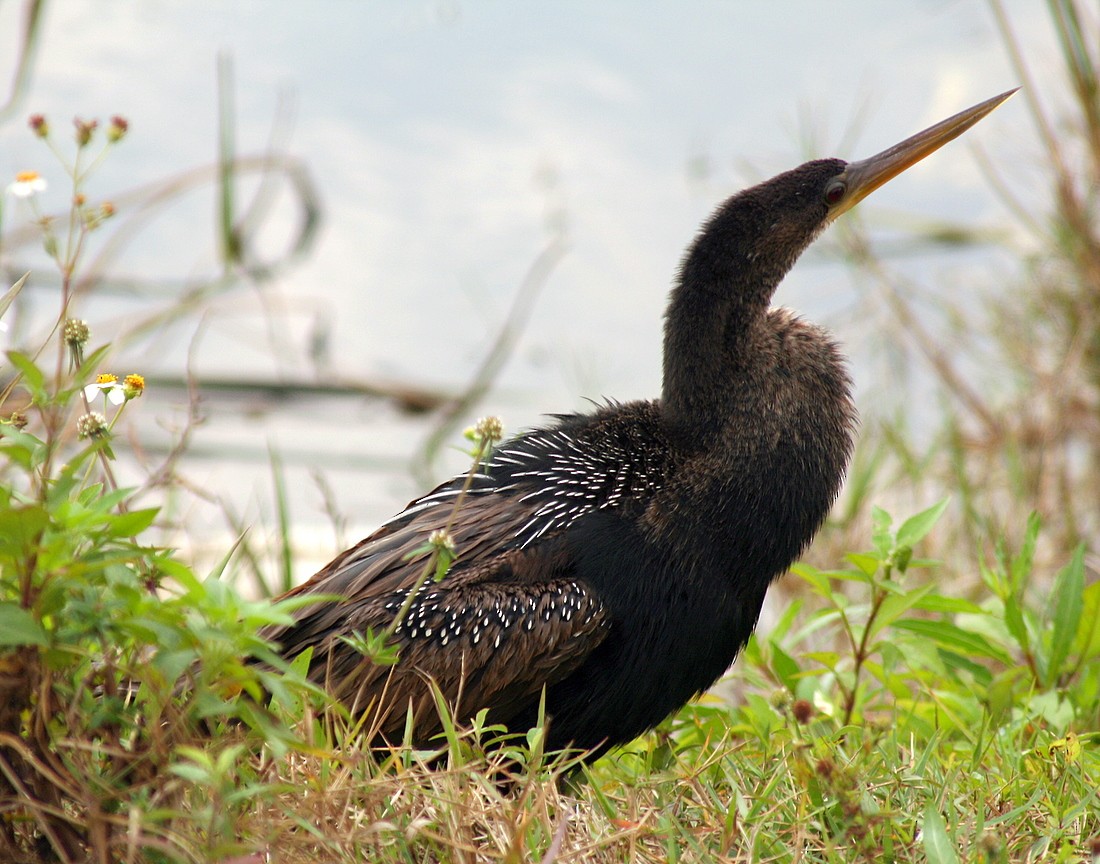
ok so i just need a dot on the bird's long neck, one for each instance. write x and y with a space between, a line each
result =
717 310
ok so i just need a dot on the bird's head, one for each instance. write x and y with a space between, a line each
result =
755 236
731 271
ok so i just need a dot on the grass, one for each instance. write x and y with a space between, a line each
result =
916 743
899 709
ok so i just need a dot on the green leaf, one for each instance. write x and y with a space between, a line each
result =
894 683
195 774
1014 620
938 848
813 577
896 605
890 586
881 521
786 669
752 654
180 573
446 720
1001 692
133 523
23 449
828 659
97 499
33 377
868 564
227 760
1022 563
994 579
915 528
952 636
1069 588
791 614
1088 638
845 575
956 662
21 528
18 627
939 603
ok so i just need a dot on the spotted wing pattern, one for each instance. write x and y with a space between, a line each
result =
512 615
491 634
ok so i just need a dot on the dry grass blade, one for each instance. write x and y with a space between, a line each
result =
552 853
23 59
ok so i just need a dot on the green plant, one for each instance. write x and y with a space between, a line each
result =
969 657
885 718
101 745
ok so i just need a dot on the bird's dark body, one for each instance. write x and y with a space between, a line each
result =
684 565
612 503
618 560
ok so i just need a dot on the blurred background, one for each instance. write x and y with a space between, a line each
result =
344 231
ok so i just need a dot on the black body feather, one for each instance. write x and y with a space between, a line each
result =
619 559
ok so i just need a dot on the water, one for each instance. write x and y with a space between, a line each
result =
449 144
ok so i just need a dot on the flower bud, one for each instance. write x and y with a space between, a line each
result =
91 425
133 385
117 128
84 130
441 539
76 333
489 429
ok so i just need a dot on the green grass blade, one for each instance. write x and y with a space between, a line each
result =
1022 563
282 514
938 847
12 293
227 165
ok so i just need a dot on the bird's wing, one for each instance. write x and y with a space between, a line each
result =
504 622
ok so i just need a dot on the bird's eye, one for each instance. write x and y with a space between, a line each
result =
835 191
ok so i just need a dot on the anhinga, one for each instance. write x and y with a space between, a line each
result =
618 560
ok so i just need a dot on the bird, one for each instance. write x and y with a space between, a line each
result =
609 566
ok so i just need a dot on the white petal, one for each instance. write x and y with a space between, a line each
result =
27 188
116 395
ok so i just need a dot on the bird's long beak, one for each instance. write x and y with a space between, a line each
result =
865 176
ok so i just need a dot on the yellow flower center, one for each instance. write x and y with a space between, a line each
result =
134 382
107 378
26 176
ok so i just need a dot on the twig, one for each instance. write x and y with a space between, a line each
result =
559 837
39 810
